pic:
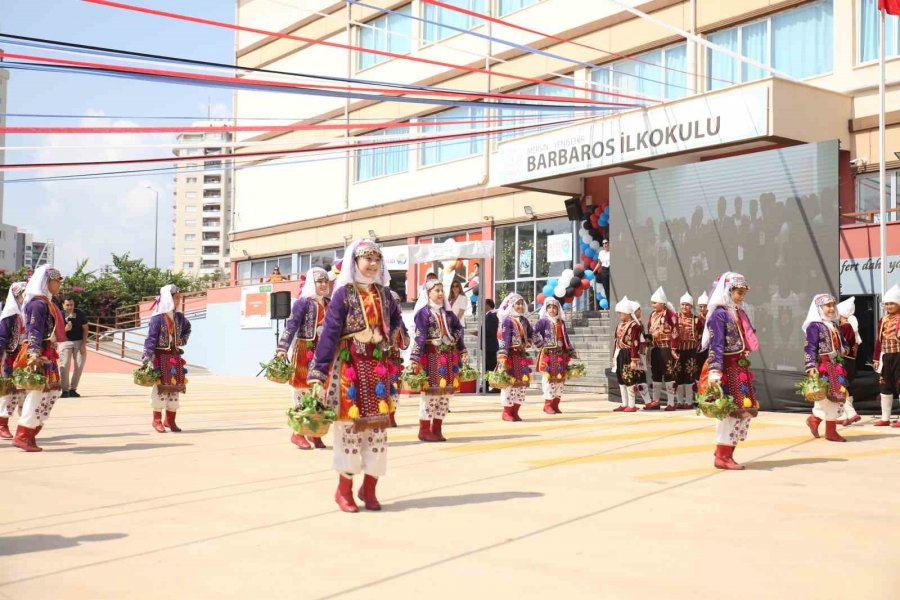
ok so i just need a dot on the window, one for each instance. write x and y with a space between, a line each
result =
508 6
518 118
432 32
190 180
190 208
868 32
798 42
190 195
657 74
190 237
190 223
211 179
2 253
867 193
187 265
388 33
378 162
190 251
521 263
433 153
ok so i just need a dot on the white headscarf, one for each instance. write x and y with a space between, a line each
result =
165 303
309 286
721 296
12 307
506 307
349 272
815 314
559 310
37 285
847 309
423 300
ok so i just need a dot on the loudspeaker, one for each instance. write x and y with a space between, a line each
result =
280 305
573 209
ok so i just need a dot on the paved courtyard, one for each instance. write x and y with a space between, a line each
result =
587 504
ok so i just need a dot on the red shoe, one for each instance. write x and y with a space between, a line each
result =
300 442
620 408
724 459
37 429
670 408
652 405
813 422
508 413
425 434
548 407
556 402
852 420
831 433
317 442
896 424
515 412
25 439
367 493
157 422
170 421
344 495
393 423
436 430
631 409
5 433
882 423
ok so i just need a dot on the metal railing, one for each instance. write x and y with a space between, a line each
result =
128 317
115 341
868 216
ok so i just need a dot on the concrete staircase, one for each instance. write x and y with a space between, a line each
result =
591 335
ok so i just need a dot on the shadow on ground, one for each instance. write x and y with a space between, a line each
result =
462 499
769 465
75 449
39 542
462 439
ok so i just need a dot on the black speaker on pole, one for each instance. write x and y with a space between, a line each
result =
573 209
280 305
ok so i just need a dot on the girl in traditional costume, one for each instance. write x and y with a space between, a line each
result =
305 324
555 352
824 348
440 351
168 332
353 362
515 338
849 329
730 338
690 330
628 354
44 329
12 334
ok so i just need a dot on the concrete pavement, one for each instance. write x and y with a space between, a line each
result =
587 504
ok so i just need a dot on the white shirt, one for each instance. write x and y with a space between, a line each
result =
603 257
459 306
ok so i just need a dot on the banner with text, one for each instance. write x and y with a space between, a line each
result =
255 306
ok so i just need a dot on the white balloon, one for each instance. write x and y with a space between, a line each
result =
595 245
560 291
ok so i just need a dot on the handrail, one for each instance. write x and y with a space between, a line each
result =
98 331
868 216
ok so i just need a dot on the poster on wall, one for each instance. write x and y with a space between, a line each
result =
559 247
255 307
396 258
525 261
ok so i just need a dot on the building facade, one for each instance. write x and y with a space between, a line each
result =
823 85
7 232
202 204
32 253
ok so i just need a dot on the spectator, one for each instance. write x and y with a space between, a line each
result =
458 301
472 286
602 269
491 345
276 275
74 350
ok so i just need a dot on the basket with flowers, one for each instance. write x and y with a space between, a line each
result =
29 380
278 370
467 373
7 386
576 370
715 403
310 417
499 379
413 379
813 387
146 375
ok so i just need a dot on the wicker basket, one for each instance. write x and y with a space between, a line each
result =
34 387
276 379
320 430
7 387
499 384
816 396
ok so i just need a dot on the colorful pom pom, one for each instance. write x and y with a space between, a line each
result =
353 413
526 378
748 403
376 353
383 408
351 392
380 370
309 355
380 390
173 361
174 371
442 382
442 370
443 359
350 373
456 369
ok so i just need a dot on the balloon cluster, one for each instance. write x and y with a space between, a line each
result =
569 285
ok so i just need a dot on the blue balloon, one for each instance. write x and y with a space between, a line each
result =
553 281
590 275
604 303
567 306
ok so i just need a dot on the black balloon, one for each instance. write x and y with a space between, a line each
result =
579 272
575 283
569 291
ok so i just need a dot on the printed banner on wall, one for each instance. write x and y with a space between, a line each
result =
863 275
255 307
559 247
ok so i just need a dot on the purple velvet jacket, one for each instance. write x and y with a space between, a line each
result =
724 337
345 317
818 341
10 338
545 335
428 330
510 337
158 334
302 324
39 325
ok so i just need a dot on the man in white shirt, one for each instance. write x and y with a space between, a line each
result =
602 269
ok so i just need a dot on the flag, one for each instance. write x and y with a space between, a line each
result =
891 7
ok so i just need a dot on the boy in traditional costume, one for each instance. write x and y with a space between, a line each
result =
849 329
663 329
703 309
353 362
12 334
628 355
823 349
439 350
515 338
730 338
886 358
44 329
168 332
687 369
305 324
555 351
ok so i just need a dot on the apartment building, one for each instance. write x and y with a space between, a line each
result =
7 232
202 204
31 253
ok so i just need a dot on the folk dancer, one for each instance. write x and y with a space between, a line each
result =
886 358
628 361
439 350
642 388
12 334
352 361
849 329
168 332
663 329
730 338
43 331
515 338
687 369
823 349
555 350
397 359
703 310
303 329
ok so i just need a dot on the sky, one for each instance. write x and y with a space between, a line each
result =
93 218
